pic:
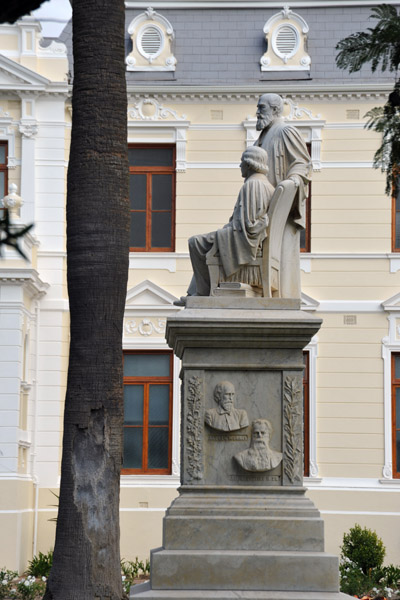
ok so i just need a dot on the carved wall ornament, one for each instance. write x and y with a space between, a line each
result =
226 417
387 470
313 469
260 456
55 49
4 114
149 109
194 427
292 428
146 327
175 467
28 130
299 112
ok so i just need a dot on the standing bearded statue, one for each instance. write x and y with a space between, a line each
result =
288 158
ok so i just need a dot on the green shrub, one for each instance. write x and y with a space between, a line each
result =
353 581
30 588
363 548
131 570
390 576
6 578
40 565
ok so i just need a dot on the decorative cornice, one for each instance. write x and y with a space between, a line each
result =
27 278
266 4
159 93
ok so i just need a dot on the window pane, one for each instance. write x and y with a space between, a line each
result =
151 157
146 365
138 230
137 191
397 367
2 154
397 408
158 448
302 238
397 232
161 195
133 404
159 405
161 230
3 191
133 442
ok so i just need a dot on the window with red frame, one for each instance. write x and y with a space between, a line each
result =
147 412
396 218
3 173
396 414
152 197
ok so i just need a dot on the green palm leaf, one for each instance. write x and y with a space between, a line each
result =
379 46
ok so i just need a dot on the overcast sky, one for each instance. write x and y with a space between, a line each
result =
53 15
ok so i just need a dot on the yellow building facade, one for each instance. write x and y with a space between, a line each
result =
350 267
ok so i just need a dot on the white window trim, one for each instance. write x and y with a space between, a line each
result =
144 316
7 134
140 127
139 23
285 16
390 344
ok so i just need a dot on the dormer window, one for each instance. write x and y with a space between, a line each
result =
152 36
286 37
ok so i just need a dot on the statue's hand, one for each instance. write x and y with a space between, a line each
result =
256 227
296 180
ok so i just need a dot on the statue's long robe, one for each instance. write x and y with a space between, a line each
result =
288 156
240 239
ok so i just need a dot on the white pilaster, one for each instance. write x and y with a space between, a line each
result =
28 131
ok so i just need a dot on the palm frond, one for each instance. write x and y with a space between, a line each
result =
379 45
386 120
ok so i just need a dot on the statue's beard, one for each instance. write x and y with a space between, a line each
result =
262 123
260 445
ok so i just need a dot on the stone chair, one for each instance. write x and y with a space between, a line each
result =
264 272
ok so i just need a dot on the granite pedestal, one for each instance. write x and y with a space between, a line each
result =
242 526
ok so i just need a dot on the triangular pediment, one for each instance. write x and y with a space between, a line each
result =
392 303
308 303
148 294
16 76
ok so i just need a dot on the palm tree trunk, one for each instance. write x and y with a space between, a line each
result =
86 561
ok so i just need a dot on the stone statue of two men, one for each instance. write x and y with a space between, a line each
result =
279 154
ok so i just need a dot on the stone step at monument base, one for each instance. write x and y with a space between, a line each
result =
243 501
243 533
143 591
244 570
